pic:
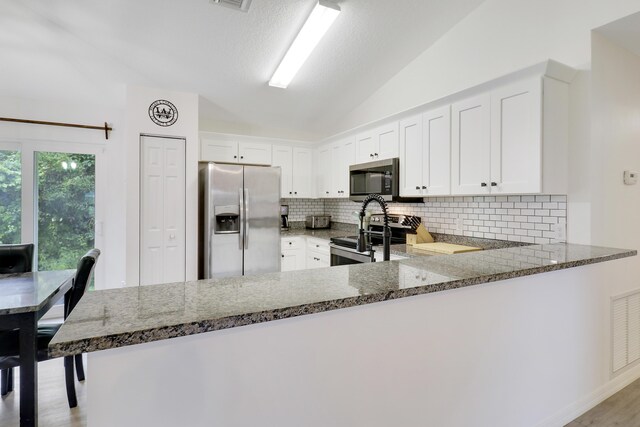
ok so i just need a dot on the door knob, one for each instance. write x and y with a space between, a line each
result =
417 187
172 236
424 187
493 184
483 184
375 154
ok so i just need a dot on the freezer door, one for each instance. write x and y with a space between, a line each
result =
223 219
262 220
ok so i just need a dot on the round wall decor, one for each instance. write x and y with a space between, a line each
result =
163 112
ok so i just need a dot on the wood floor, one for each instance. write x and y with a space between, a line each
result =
620 410
53 407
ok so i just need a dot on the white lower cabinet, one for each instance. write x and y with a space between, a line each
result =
317 253
301 253
292 253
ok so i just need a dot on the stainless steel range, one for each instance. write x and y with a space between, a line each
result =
343 249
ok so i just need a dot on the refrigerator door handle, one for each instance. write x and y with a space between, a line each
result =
246 218
242 219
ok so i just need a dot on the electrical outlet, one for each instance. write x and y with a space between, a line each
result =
459 225
559 230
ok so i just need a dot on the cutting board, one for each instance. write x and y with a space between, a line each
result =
445 248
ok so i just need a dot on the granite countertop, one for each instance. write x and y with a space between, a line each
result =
121 317
27 292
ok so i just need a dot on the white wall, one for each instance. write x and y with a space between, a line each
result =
110 270
615 139
138 122
499 37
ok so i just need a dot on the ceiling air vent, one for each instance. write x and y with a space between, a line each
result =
242 5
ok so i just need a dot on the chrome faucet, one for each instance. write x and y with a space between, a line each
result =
386 231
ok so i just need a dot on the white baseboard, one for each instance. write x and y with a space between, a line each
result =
573 411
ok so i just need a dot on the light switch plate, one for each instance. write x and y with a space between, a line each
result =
630 177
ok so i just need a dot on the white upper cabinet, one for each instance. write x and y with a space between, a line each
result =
214 150
516 140
302 184
436 140
283 157
411 156
325 171
471 145
343 155
497 141
254 153
377 144
225 150
425 141
297 166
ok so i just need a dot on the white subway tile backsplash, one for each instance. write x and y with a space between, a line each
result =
517 218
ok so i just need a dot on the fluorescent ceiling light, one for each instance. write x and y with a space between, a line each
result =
317 24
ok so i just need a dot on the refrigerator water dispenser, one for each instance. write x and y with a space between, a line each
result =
227 219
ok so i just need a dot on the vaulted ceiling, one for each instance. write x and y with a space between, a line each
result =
86 51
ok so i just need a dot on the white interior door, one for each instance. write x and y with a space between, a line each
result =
162 210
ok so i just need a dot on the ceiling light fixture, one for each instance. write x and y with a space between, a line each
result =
317 24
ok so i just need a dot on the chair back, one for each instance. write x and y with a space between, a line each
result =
83 276
16 258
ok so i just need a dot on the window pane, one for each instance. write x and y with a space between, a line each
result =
66 208
10 196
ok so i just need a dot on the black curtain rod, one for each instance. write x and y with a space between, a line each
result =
106 128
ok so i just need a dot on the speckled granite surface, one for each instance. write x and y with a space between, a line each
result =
25 292
120 317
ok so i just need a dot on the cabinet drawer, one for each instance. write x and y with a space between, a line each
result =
318 245
317 260
291 243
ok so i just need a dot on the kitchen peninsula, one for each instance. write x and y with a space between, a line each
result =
387 343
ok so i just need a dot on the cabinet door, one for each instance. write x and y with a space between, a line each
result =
366 146
471 145
436 132
337 170
213 150
348 158
288 261
516 127
387 145
324 172
283 156
411 157
254 153
302 173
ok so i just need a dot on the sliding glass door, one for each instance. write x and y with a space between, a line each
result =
65 208
49 196
10 195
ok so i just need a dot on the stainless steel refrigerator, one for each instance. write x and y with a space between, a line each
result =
239 220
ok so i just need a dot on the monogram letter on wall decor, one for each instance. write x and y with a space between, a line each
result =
163 113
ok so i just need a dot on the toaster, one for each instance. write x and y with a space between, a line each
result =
318 221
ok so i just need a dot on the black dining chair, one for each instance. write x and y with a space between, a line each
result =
9 340
13 259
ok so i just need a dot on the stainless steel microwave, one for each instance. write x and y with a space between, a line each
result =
379 177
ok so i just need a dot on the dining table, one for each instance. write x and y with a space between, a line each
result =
24 299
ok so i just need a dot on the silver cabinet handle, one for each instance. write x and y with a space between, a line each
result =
241 210
246 218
